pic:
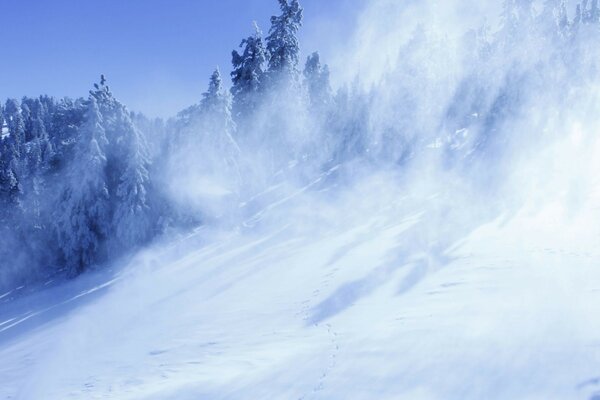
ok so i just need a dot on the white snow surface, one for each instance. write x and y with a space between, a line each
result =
389 296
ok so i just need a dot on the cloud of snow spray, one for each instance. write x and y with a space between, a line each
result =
457 133
445 110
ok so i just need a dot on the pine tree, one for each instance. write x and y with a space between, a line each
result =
248 73
39 159
42 150
107 104
11 171
216 109
1 121
11 189
132 221
213 98
316 80
15 124
216 124
64 122
282 42
350 123
27 120
83 210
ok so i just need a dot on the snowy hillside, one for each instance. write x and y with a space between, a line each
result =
418 222
405 301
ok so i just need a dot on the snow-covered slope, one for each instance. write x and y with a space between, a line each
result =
385 296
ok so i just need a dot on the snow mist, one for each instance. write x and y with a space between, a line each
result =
441 134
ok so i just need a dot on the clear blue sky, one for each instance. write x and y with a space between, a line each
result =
156 54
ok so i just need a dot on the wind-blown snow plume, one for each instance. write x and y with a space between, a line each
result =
421 87
414 220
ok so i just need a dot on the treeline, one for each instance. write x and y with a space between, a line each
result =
84 181
75 183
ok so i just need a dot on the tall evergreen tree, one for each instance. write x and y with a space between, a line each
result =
44 151
248 73
11 188
213 98
316 79
1 120
15 124
282 42
11 171
132 221
27 120
82 222
105 100
216 115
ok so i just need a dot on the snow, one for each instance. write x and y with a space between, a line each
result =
212 189
407 301
5 294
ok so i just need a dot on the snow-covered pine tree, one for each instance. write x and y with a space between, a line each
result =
64 122
115 122
213 97
132 220
27 120
1 120
11 189
48 105
15 124
39 159
83 220
127 176
11 168
316 80
349 127
282 43
248 73
107 104
41 152
216 115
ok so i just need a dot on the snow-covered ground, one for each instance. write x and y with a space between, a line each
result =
385 296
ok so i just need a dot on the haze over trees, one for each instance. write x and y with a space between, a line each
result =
84 181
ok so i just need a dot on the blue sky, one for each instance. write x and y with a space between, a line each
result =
157 54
